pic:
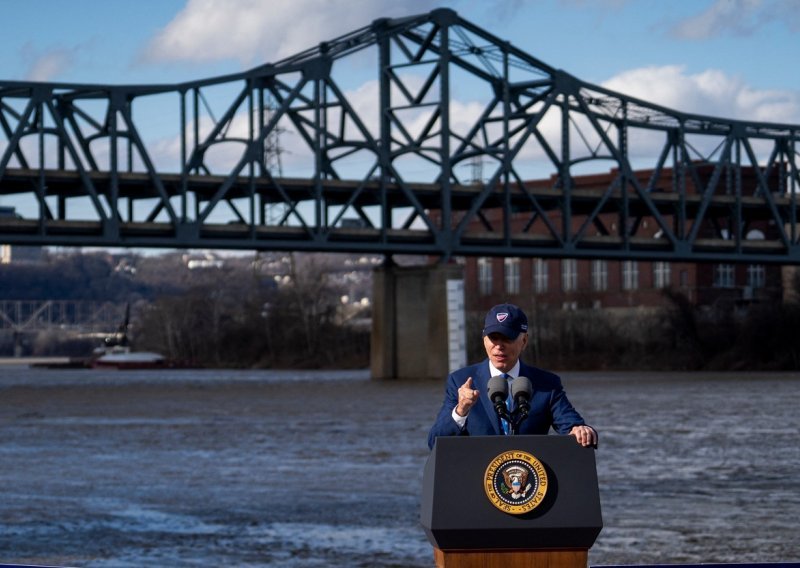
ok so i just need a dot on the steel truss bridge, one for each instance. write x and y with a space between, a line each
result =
419 135
75 316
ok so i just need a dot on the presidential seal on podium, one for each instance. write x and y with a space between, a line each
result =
515 482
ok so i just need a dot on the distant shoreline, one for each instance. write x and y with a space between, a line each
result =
33 360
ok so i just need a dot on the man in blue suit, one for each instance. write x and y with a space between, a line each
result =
467 410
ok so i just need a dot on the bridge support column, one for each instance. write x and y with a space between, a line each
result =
417 321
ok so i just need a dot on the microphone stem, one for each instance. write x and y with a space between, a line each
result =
519 416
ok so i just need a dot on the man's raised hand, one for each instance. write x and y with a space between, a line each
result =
467 397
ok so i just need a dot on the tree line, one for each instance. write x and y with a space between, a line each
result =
677 336
251 311
286 311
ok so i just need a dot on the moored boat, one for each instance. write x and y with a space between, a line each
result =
123 358
116 352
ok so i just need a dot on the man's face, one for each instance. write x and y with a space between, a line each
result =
504 352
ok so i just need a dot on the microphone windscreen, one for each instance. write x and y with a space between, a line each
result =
498 386
521 386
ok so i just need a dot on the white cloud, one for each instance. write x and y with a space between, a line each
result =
47 65
739 18
711 93
254 31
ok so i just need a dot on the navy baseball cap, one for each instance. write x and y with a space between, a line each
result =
507 319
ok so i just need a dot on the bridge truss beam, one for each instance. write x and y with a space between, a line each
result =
554 166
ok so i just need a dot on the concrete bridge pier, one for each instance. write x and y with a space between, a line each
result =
417 321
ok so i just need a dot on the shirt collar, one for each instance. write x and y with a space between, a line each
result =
514 372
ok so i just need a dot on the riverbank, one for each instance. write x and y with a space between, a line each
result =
29 361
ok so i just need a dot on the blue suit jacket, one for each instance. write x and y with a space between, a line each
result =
549 405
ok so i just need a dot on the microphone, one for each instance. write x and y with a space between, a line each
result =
521 391
498 393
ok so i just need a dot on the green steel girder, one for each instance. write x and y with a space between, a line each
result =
560 167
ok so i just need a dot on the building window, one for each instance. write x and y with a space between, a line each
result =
569 274
540 275
630 275
662 274
755 276
724 276
485 276
511 271
599 275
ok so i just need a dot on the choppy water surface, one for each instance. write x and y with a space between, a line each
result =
197 468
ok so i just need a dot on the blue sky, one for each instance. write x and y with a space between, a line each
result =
732 58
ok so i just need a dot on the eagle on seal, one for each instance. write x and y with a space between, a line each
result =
516 478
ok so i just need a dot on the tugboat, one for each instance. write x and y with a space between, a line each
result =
115 353
121 357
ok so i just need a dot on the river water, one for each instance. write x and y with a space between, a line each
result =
307 469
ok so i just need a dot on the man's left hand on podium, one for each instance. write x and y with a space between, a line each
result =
585 435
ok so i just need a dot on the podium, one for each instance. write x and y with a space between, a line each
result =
510 501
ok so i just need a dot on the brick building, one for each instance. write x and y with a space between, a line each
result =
581 284
610 284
